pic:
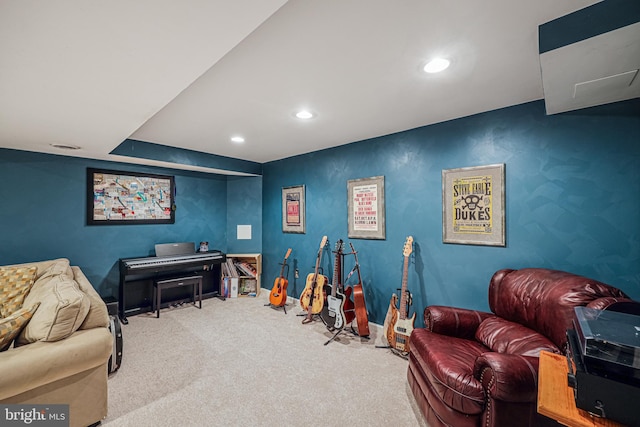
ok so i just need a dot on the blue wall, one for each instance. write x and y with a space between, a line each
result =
244 207
572 203
43 215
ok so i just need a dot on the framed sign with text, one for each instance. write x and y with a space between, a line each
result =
293 209
366 208
473 209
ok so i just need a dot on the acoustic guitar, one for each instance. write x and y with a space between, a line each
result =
332 313
362 318
400 326
278 295
312 297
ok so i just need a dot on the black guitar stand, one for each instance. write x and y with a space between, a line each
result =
284 306
334 336
352 331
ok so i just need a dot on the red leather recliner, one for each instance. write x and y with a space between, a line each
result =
470 368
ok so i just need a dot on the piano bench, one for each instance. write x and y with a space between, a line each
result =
159 285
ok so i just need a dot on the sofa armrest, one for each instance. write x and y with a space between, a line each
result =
508 377
33 365
453 321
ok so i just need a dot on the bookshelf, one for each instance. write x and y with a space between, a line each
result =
241 275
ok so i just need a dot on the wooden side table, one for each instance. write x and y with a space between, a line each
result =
555 397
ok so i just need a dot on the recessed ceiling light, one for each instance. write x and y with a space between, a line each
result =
237 139
65 146
436 65
304 114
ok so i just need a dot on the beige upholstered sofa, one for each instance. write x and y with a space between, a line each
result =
62 344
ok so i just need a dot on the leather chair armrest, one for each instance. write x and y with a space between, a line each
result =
453 321
508 377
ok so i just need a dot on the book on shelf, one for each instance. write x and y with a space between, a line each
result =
233 288
229 269
248 286
246 269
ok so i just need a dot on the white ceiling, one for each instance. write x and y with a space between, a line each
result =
193 73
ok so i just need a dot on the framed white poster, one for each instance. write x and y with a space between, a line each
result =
366 208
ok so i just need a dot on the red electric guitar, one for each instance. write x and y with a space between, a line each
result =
278 295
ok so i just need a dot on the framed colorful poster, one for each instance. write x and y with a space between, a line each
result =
293 209
366 208
116 197
473 205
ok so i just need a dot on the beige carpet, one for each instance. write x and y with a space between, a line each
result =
239 363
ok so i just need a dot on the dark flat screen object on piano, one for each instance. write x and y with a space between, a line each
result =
168 249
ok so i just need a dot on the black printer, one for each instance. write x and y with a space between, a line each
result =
603 353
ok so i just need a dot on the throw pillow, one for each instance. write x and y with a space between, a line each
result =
11 326
63 308
49 269
15 283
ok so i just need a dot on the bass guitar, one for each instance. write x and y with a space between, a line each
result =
362 318
400 326
278 295
332 313
312 297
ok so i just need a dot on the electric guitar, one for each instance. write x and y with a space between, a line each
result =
332 313
312 298
362 318
278 295
400 326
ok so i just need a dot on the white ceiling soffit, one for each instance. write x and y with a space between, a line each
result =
599 70
358 65
89 73
190 74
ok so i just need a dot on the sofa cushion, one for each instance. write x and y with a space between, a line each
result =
98 316
49 269
63 308
503 336
11 326
543 300
15 284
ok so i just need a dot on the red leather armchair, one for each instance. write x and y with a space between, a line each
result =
471 368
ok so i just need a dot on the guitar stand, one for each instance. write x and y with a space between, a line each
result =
403 354
353 331
305 314
334 336
284 307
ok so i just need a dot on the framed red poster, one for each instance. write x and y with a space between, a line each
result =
293 209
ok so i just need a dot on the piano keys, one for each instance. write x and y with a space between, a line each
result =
155 267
